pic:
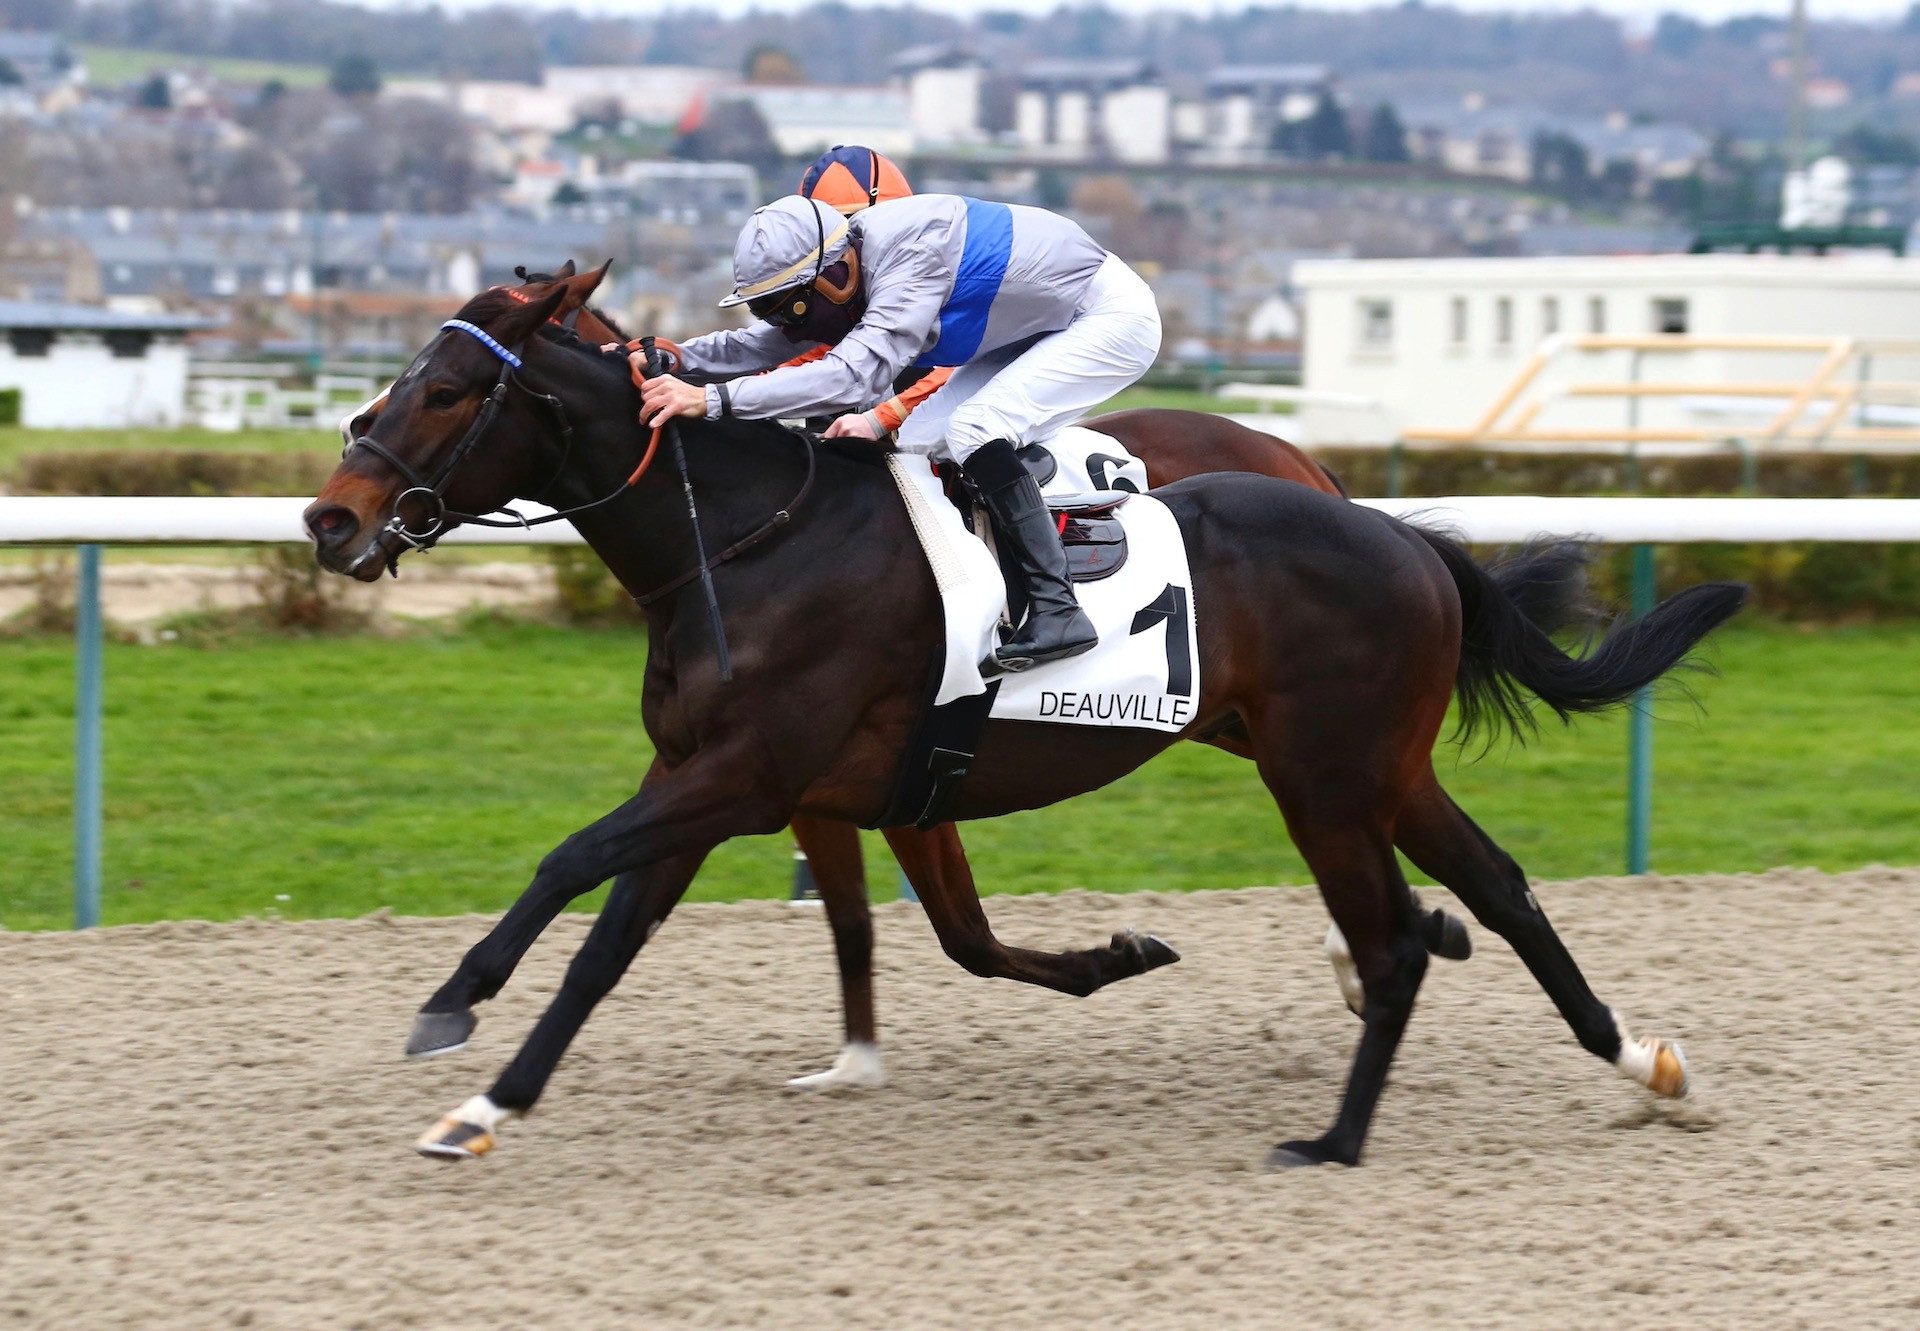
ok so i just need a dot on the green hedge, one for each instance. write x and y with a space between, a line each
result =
9 406
1464 471
170 472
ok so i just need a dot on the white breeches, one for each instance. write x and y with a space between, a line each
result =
1031 390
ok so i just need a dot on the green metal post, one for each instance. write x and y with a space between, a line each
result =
1640 732
1395 456
86 740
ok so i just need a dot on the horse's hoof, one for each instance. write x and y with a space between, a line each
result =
1146 950
857 1069
1299 1155
465 1134
437 1033
1658 1065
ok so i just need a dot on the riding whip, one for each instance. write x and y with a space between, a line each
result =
656 363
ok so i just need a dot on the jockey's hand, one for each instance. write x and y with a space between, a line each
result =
856 425
664 397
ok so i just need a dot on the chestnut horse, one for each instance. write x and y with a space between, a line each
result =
1332 638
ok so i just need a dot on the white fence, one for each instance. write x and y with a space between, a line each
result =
1490 519
1642 523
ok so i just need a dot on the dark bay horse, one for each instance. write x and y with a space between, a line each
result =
1172 445
1332 638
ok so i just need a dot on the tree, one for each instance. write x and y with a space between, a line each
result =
156 94
354 76
1322 134
1559 162
1877 147
1678 36
770 66
1386 137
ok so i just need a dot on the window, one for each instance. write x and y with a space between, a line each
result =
31 341
1549 316
1457 322
129 343
1669 315
1376 324
1503 321
1596 314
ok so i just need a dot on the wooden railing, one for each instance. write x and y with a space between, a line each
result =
1814 409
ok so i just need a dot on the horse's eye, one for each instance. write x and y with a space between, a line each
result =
442 398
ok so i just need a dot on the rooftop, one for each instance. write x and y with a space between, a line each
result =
1244 76
1085 73
58 315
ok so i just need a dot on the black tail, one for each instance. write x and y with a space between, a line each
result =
1504 648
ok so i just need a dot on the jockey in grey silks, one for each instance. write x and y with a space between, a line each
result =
1041 323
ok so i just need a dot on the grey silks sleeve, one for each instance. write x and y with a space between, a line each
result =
736 351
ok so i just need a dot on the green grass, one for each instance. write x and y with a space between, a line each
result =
128 64
317 777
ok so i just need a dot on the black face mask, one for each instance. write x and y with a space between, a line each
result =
825 321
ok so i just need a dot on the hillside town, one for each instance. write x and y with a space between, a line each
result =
284 218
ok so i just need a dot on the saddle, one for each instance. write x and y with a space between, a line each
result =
1093 537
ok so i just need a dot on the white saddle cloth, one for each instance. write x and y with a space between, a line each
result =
1145 672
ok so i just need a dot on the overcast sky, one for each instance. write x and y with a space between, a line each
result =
1645 11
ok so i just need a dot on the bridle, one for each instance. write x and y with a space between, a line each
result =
644 357
432 489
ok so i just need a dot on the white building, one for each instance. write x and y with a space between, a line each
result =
946 93
806 121
80 367
647 94
1245 104
1117 110
1437 342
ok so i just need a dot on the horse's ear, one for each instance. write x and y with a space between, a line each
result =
565 270
580 289
523 321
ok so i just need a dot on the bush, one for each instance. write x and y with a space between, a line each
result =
50 574
170 472
296 593
585 592
1460 471
9 406
1807 582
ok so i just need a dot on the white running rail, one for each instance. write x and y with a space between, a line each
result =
63 520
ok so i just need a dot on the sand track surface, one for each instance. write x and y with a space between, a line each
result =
209 1126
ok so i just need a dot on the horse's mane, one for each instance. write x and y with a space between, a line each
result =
492 303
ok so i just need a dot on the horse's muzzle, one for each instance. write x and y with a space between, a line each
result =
341 545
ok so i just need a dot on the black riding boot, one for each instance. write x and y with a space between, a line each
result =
1055 625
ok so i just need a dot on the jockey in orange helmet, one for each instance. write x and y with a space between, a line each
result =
848 178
